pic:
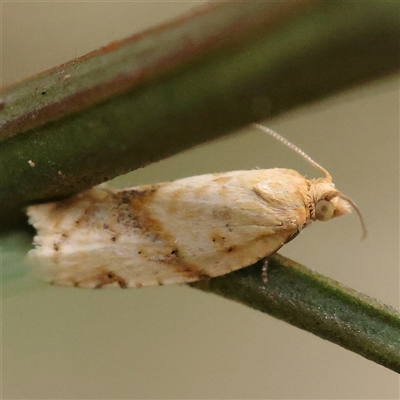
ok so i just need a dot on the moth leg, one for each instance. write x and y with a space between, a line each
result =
264 271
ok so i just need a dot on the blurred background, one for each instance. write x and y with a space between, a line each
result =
176 342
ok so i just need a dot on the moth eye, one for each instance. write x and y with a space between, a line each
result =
324 210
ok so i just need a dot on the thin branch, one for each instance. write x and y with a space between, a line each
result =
317 304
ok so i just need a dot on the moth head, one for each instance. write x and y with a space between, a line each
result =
327 209
326 201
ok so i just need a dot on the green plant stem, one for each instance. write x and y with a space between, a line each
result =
318 305
197 78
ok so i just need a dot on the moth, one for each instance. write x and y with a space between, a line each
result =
181 231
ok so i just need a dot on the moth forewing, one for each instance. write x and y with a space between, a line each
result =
174 232
181 231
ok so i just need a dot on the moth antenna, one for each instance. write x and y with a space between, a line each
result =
355 208
296 149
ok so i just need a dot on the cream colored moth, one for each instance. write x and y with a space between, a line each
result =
181 231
